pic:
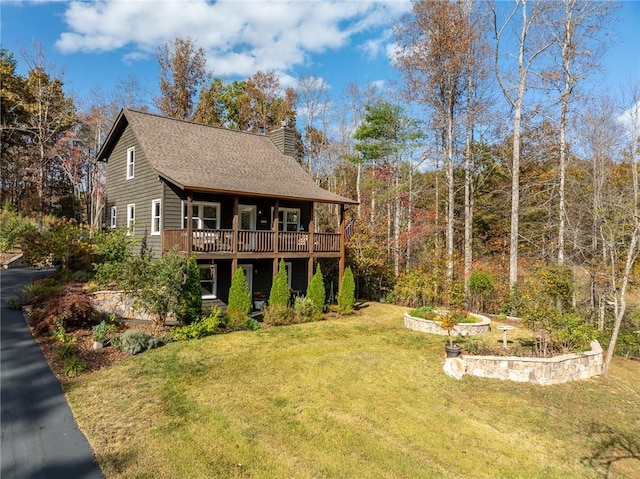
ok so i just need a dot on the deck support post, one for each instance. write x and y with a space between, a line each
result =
276 240
234 242
189 222
342 263
311 245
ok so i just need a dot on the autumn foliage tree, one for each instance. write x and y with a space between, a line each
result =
182 71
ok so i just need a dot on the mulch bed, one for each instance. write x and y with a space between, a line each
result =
94 359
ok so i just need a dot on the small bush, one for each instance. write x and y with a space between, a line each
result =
346 296
253 324
278 315
74 366
481 286
421 312
136 341
66 351
13 227
305 310
101 330
204 327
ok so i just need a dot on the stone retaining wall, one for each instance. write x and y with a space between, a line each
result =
460 329
116 302
544 371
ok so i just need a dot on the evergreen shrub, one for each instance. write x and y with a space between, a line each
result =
346 296
240 302
280 294
316 292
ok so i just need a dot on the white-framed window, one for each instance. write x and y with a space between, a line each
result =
113 222
208 280
288 219
289 267
131 218
155 217
131 161
206 216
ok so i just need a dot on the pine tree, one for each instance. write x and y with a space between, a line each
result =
280 294
346 296
239 300
316 291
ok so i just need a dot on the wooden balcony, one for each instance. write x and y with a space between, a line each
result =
252 243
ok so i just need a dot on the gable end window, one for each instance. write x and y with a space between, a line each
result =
155 217
131 160
131 218
113 217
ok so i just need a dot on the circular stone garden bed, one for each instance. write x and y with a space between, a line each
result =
482 325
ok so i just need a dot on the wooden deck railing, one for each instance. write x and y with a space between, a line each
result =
221 241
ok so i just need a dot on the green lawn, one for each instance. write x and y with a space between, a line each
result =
348 398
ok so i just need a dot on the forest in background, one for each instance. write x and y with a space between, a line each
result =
492 173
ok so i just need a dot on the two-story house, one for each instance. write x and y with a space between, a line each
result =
234 199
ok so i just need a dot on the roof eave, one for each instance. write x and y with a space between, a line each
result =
113 137
267 195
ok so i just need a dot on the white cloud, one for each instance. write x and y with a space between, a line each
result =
239 37
631 117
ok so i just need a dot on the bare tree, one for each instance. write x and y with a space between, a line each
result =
620 229
529 47
579 45
434 41
182 72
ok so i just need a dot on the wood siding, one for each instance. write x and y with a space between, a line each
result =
141 190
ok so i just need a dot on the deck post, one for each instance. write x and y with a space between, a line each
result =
234 242
189 222
276 241
311 244
341 265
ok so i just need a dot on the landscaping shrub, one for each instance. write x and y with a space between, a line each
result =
278 315
73 366
280 294
135 341
240 302
161 292
191 298
66 351
70 304
65 242
418 288
481 286
113 249
346 296
200 328
316 292
305 310
13 227
425 312
545 306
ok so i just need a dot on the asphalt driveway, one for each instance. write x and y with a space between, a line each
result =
39 437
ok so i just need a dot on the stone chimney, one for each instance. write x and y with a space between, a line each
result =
285 139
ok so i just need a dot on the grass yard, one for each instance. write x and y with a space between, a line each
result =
348 398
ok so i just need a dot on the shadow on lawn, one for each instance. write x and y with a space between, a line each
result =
610 446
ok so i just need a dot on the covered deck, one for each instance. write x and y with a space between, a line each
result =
227 243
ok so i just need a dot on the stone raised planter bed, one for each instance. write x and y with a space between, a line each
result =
543 371
461 329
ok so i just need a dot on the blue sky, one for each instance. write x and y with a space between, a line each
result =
100 43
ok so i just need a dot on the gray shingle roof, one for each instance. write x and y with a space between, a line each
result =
201 157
